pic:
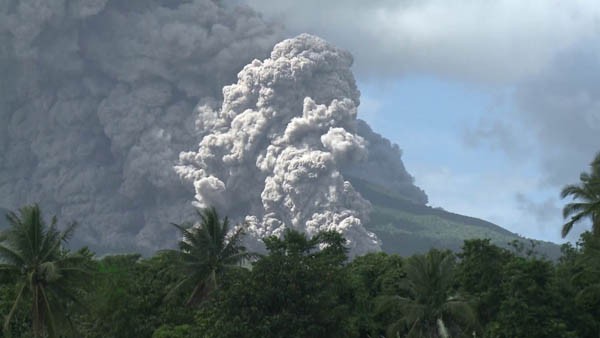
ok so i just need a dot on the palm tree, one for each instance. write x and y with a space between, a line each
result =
208 249
428 307
588 194
47 275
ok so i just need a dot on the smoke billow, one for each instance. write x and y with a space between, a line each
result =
383 166
97 102
273 150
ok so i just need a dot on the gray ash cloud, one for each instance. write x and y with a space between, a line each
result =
98 99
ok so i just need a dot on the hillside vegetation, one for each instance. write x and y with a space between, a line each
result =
301 288
407 228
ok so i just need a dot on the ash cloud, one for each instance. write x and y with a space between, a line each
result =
97 101
383 166
277 142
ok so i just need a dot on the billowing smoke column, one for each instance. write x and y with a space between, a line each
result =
383 166
274 148
97 101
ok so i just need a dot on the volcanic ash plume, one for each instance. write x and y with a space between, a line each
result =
271 153
97 100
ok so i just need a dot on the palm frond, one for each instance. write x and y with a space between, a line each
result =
33 248
69 231
13 220
233 245
576 191
51 235
573 208
13 309
588 195
206 250
569 225
11 256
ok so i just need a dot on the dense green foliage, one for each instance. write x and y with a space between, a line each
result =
301 287
429 305
46 277
307 287
294 291
128 297
205 254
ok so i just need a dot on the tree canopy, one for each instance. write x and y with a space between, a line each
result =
47 276
301 287
587 196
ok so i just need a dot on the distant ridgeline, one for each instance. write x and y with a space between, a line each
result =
406 227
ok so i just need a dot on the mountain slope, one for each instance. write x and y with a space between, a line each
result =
407 228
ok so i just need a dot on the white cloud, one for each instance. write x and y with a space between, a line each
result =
492 41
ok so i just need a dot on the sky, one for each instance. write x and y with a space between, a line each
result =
495 104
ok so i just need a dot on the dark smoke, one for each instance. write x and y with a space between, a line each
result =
97 100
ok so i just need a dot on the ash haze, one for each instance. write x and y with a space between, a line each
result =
98 100
495 103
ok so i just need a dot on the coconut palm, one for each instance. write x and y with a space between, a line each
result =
207 250
428 307
588 195
48 276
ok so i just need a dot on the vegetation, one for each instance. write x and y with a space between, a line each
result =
206 253
301 287
431 308
294 291
588 195
46 276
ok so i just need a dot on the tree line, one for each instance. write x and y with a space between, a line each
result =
211 286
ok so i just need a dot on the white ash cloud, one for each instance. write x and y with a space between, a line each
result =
277 143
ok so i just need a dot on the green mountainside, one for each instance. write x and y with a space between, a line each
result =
406 228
